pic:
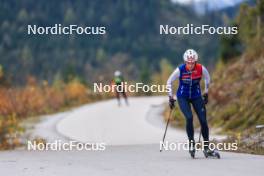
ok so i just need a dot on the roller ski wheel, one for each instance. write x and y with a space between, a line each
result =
211 154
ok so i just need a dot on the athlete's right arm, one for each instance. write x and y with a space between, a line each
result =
173 77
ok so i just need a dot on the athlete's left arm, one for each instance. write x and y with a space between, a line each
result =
206 79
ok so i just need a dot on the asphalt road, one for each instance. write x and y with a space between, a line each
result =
131 134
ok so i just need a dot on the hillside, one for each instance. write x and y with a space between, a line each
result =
237 93
238 82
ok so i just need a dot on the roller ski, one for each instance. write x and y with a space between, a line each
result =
211 153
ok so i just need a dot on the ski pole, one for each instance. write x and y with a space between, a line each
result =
168 121
200 135
201 128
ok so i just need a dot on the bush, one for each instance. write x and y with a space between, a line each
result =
19 103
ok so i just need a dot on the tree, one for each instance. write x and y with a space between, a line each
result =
230 47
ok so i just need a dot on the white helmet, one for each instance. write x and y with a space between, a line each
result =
117 73
190 55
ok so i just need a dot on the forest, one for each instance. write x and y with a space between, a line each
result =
132 43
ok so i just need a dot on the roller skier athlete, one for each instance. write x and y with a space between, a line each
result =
189 93
119 89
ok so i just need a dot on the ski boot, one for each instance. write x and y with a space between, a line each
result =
192 149
211 153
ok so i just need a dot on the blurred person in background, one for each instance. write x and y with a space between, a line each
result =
119 89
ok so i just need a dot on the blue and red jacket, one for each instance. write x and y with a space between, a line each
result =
189 86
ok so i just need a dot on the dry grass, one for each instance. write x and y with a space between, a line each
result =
17 104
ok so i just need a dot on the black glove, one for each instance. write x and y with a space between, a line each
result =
171 102
205 98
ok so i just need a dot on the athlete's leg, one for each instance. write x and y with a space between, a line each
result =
199 107
117 97
187 112
125 97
